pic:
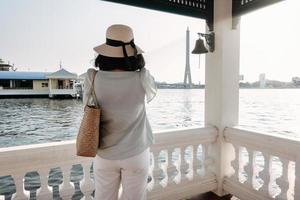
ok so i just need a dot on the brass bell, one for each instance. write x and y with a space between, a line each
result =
199 47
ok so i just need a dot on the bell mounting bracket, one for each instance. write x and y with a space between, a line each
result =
209 39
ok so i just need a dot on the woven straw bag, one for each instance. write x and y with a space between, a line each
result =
87 141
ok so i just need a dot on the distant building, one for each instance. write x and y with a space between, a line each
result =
262 80
296 80
241 77
34 84
5 66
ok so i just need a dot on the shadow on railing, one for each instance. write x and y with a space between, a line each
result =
180 168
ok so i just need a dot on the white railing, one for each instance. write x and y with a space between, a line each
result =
180 166
266 166
186 176
62 91
24 91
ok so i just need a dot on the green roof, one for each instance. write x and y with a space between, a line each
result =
62 73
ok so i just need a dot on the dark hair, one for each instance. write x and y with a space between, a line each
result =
132 63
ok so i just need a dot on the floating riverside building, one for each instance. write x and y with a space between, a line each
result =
59 84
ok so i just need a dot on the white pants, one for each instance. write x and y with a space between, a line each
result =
132 173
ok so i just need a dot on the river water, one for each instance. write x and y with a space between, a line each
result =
31 121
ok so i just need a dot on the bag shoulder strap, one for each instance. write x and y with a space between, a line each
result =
93 90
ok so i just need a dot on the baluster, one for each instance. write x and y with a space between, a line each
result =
283 181
249 169
171 168
19 182
208 161
67 189
184 166
236 163
87 185
265 174
202 163
255 171
44 192
164 167
196 162
150 173
297 180
156 170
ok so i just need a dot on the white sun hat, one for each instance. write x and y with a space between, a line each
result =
119 42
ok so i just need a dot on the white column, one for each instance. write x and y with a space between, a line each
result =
222 86
50 87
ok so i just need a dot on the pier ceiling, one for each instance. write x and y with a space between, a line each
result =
203 9
241 7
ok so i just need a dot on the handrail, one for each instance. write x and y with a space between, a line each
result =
278 145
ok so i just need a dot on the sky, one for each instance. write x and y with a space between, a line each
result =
36 35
